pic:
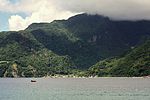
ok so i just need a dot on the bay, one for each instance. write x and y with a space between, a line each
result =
121 88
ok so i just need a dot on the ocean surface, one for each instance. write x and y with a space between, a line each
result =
75 89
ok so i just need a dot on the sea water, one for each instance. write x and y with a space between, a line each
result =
75 89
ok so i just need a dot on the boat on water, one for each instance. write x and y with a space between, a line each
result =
33 80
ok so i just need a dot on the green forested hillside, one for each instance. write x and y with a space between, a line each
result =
67 46
134 63
81 35
29 57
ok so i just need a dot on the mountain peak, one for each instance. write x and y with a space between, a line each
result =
80 41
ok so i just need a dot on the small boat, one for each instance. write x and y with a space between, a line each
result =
33 80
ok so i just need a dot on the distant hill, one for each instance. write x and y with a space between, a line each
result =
63 46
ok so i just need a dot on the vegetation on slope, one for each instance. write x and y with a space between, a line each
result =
67 46
134 63
30 58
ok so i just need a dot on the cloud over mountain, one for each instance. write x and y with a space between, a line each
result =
115 9
48 10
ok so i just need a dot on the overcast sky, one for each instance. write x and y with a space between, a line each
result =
18 14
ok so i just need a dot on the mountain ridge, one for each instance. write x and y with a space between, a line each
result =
79 42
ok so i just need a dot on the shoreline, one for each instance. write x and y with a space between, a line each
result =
74 77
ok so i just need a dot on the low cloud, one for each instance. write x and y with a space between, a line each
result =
41 11
115 9
49 10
